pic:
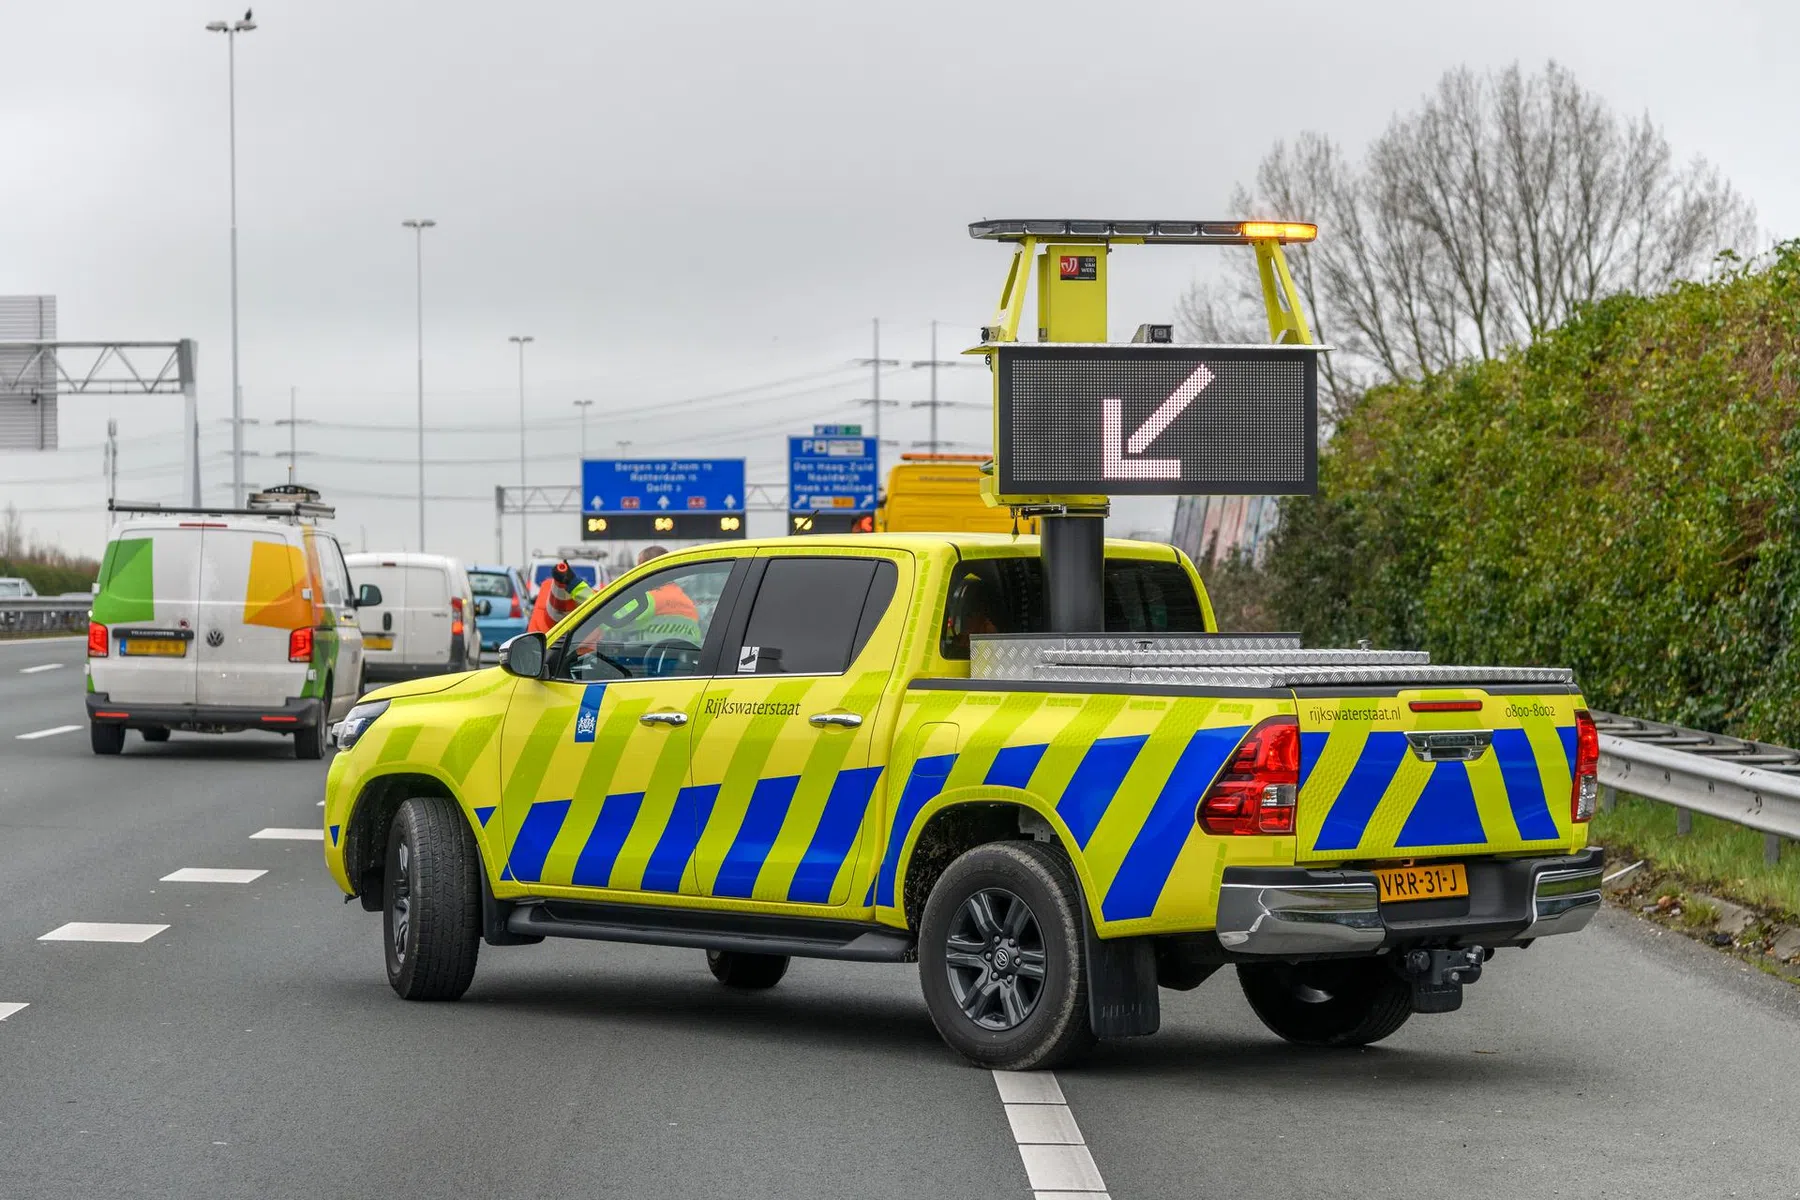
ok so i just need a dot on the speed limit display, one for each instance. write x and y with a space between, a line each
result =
1157 420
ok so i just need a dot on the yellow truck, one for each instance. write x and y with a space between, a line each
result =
938 493
868 748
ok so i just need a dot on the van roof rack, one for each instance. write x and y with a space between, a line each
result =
289 500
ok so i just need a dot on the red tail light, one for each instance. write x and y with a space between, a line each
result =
516 610
456 616
1256 794
1587 767
300 645
97 644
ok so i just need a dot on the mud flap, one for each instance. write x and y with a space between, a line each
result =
493 920
1122 996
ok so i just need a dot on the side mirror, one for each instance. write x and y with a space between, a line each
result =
524 656
367 596
483 608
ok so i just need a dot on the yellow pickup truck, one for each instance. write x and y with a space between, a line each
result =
868 748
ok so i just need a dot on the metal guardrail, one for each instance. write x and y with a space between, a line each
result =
1748 783
44 614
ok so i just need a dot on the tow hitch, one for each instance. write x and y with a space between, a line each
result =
1438 976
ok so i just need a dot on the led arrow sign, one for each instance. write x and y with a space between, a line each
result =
1157 419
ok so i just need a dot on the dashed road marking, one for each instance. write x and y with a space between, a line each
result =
26 737
213 875
1056 1157
291 835
8 1008
41 667
102 931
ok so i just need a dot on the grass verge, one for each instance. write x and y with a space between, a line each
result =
1721 858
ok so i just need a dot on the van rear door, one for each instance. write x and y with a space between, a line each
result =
1426 773
255 590
427 615
149 586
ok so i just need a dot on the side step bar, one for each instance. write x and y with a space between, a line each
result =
746 933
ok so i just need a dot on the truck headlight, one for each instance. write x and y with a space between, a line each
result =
352 727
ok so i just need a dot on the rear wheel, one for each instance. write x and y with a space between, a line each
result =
310 743
1001 958
1331 1002
106 739
754 972
431 901
158 734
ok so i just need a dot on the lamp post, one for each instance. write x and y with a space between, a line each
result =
419 225
521 341
231 29
584 405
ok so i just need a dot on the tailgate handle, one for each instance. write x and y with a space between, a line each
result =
1450 745
664 718
835 720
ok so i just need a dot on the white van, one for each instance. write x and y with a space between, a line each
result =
424 624
215 620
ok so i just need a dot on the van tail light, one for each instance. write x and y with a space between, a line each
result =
300 645
456 616
1587 767
517 612
1257 792
97 644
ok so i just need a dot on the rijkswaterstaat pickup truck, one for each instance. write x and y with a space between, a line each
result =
868 748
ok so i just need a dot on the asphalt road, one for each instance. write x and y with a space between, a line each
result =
252 1047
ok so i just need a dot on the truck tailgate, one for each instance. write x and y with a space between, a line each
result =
1434 771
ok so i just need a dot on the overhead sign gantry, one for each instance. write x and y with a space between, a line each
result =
1078 419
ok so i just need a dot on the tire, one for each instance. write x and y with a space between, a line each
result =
431 901
106 739
155 735
997 909
752 972
309 743
1331 1002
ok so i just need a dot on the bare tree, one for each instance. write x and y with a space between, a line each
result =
1475 222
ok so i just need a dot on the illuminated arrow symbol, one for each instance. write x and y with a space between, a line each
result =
1115 446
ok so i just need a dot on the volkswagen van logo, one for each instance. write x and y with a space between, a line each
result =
1450 745
215 638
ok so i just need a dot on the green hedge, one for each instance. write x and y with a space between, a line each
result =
1621 497
52 579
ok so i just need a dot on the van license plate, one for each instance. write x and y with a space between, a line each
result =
377 641
1423 883
155 647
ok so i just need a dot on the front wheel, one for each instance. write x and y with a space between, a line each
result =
1330 1002
1001 958
431 901
735 969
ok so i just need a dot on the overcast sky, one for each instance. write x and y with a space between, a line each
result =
683 199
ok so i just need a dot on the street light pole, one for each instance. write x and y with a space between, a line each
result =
231 29
521 341
584 405
419 225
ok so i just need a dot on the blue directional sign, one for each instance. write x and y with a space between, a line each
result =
638 498
833 477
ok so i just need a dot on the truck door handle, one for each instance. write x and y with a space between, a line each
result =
664 718
835 720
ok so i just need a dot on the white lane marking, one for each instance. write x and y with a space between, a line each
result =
291 835
102 931
26 737
41 667
213 875
321 804
8 1008
1057 1162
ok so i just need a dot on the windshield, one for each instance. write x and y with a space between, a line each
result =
490 583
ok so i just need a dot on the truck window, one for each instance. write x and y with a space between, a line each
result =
655 629
1006 595
808 617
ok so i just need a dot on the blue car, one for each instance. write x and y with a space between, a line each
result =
503 590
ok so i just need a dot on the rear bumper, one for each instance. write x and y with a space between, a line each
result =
493 634
1292 912
295 713
393 672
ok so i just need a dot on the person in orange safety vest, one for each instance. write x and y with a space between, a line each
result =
561 594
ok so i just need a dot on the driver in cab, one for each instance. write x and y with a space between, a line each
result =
645 632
